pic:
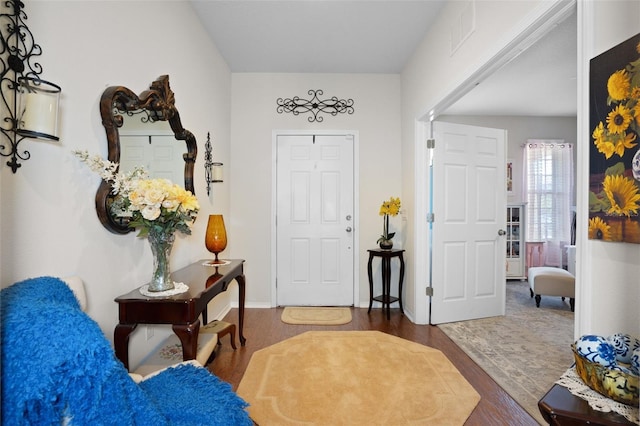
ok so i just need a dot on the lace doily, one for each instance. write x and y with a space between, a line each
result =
220 262
577 387
178 288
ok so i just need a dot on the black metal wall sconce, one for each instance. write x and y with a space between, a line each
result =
31 104
314 106
212 170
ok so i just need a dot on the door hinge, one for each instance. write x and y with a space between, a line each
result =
431 143
431 217
429 291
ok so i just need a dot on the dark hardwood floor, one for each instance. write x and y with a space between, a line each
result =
263 328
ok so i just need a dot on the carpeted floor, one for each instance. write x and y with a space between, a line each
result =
354 378
526 350
316 315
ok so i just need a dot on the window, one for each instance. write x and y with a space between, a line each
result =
548 192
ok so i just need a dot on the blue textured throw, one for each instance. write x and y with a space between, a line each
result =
56 364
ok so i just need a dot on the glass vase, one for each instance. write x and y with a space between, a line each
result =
216 237
161 244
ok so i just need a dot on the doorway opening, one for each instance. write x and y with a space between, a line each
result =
555 19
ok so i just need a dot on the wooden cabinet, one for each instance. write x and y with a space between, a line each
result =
516 265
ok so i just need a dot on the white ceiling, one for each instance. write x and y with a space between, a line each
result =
379 36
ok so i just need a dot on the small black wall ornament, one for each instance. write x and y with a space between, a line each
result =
315 106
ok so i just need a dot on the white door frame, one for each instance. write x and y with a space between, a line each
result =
356 205
524 35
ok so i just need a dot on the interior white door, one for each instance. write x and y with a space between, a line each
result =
469 206
160 154
314 222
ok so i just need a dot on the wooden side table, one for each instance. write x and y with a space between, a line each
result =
560 407
385 298
182 311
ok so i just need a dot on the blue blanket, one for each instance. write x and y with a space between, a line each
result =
56 363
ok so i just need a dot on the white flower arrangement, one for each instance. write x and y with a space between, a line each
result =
155 205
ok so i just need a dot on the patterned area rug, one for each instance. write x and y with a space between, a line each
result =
525 351
354 378
316 316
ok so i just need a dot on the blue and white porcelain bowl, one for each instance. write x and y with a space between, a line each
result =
624 345
635 362
596 349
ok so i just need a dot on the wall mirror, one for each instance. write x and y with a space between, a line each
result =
144 130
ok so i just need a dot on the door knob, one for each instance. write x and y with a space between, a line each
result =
502 232
348 229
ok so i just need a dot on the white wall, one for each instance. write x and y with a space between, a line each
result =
609 273
519 129
49 223
254 118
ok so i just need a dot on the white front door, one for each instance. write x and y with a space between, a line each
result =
469 206
314 222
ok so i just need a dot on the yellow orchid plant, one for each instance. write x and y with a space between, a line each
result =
388 208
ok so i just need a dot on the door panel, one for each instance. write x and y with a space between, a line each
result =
161 155
469 196
314 250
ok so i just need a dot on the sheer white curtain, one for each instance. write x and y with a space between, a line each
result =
548 192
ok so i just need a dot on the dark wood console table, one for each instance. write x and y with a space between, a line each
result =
560 407
182 311
386 299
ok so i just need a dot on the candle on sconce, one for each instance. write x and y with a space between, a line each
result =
217 172
40 114
39 108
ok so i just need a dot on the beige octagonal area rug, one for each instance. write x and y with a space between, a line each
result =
354 378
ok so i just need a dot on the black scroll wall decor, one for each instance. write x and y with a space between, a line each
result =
315 106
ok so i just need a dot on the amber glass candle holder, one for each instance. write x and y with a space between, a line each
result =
216 237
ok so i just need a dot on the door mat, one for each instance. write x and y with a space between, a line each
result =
316 315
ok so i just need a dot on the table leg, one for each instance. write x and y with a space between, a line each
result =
121 342
400 284
386 285
370 270
188 335
241 295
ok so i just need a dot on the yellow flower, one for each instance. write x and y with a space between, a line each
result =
188 201
391 207
619 119
598 229
598 133
619 85
623 195
625 141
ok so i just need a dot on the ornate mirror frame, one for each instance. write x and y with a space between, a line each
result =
158 103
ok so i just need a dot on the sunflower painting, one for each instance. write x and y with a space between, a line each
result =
614 186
